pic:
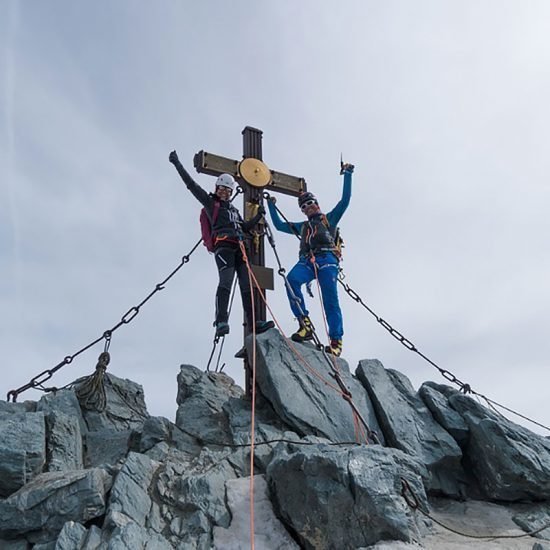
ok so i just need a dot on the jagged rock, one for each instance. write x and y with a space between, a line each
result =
539 546
409 426
43 506
157 429
22 449
345 497
201 397
535 519
191 495
130 492
62 401
72 536
109 446
63 442
132 536
300 397
436 398
269 532
125 410
23 407
510 462
93 539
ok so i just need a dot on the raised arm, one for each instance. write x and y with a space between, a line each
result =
199 193
280 224
337 212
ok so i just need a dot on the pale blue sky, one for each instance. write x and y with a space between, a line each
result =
441 105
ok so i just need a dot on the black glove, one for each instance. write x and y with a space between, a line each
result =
347 168
173 157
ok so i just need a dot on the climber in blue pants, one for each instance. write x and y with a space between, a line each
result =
319 251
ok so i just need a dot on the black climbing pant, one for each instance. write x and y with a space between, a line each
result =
229 260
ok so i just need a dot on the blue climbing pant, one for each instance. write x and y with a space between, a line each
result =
327 271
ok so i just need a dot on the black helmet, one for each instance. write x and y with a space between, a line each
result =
305 197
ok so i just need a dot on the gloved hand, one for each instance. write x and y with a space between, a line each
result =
272 199
347 168
173 157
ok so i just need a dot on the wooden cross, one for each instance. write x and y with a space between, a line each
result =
255 178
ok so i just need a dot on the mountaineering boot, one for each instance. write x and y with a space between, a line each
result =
222 329
262 326
241 354
335 347
305 332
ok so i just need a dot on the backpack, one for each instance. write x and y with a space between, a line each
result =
207 224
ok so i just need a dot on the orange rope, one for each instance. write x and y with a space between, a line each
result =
291 345
358 427
252 422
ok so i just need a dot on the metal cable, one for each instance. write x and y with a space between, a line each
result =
464 387
38 381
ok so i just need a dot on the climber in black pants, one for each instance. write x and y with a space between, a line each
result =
228 229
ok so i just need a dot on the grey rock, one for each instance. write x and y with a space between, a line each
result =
201 397
93 539
125 410
44 546
62 401
71 537
409 426
444 414
157 429
328 496
535 519
63 442
130 491
191 495
296 387
135 537
539 546
109 446
23 407
43 506
22 449
510 462
269 532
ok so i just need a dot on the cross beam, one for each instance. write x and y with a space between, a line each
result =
255 178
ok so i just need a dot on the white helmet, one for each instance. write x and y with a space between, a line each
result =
226 180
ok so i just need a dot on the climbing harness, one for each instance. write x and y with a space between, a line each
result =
38 381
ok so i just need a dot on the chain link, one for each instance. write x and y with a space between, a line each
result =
38 381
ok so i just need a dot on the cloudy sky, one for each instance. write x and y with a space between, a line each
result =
441 105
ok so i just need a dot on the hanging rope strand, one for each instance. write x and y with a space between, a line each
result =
253 393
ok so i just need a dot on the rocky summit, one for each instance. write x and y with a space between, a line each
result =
341 460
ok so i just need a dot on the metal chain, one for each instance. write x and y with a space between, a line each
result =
464 387
38 381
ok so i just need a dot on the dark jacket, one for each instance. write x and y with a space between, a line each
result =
315 235
229 226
